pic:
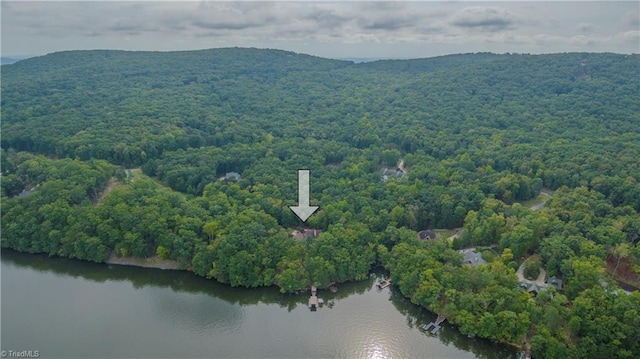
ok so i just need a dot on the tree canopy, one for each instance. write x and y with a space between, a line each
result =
476 137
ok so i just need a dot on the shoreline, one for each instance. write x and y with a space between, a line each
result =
166 264
151 262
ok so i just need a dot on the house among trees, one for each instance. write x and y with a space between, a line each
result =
472 257
388 173
27 190
426 234
313 233
554 282
532 286
232 175
536 286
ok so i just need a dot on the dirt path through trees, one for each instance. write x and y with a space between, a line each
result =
110 185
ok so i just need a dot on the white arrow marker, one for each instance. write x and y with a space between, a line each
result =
303 210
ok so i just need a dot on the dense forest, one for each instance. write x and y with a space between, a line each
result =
114 153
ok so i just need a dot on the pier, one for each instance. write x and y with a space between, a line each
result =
313 299
313 302
384 284
434 327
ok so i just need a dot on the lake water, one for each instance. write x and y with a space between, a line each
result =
68 308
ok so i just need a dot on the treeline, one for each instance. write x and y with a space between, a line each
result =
49 215
573 236
483 301
143 219
229 238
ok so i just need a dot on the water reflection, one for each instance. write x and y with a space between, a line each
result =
178 281
377 351
195 313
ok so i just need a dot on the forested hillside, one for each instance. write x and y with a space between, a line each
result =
476 135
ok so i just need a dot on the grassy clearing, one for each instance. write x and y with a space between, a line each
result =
444 233
541 198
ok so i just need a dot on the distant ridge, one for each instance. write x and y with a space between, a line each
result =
358 60
235 60
12 60
181 99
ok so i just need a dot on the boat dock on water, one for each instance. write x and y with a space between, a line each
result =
384 284
314 302
434 327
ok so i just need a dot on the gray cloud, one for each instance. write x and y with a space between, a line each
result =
392 17
126 27
322 17
338 29
584 27
484 18
224 25
389 22
227 16
632 19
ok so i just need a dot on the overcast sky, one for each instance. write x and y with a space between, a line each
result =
338 29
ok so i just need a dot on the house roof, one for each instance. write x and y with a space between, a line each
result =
426 234
25 192
532 287
392 173
472 257
313 233
554 282
235 175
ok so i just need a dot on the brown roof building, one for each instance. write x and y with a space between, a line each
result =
426 234
313 233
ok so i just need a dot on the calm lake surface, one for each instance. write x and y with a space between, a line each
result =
67 308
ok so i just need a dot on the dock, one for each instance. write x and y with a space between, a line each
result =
313 299
313 302
434 327
384 284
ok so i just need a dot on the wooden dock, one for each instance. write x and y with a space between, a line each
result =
434 327
384 284
313 302
313 299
